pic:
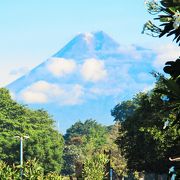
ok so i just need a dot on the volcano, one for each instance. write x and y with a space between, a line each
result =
86 79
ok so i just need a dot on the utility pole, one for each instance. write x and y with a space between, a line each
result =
108 165
21 157
110 169
21 153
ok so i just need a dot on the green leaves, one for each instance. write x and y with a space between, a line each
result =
169 3
169 19
172 68
32 170
143 141
173 87
7 172
82 140
123 110
94 167
45 143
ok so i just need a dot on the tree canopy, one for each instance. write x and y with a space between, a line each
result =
143 141
45 143
86 142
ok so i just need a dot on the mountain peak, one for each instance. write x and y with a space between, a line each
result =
88 45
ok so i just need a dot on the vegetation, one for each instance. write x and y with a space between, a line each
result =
150 122
169 18
94 167
145 134
31 171
85 143
143 141
81 141
45 143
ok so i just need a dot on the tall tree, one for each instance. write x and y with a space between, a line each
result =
144 143
82 140
16 120
169 19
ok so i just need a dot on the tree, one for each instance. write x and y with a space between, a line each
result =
117 161
71 156
86 141
170 20
144 143
32 171
82 141
45 143
94 167
122 110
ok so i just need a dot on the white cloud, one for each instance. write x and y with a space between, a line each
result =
167 52
40 92
93 70
60 66
44 92
33 97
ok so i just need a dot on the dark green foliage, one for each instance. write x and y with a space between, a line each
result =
143 141
94 167
169 19
170 3
31 171
90 130
171 88
86 141
123 110
45 143
173 68
72 155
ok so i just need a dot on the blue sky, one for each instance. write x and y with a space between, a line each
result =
31 31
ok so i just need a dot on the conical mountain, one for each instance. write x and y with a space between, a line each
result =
85 79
